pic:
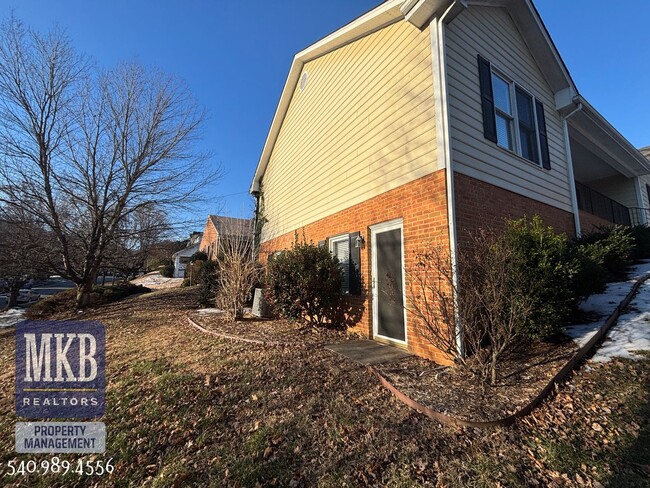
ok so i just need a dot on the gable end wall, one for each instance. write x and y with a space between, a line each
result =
363 125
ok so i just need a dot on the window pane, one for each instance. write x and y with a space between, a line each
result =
525 109
528 144
501 93
341 249
504 131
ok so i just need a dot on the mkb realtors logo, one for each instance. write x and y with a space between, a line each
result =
60 369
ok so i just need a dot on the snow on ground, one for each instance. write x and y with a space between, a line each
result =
157 282
207 311
11 317
631 332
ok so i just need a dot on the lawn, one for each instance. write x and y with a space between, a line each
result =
185 408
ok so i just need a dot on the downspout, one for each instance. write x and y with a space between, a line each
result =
444 147
572 181
256 236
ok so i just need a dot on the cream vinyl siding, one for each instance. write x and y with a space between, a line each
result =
618 188
490 32
645 180
363 124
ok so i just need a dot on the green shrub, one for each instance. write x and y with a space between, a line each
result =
592 276
611 247
207 277
305 283
198 256
167 271
641 235
548 269
66 301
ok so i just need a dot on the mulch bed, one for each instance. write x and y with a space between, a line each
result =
452 391
276 331
457 393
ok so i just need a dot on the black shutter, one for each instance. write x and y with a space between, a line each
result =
321 243
543 138
487 99
355 265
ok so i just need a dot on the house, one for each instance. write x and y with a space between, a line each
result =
218 227
182 257
423 120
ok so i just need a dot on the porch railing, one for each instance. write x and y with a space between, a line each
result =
597 204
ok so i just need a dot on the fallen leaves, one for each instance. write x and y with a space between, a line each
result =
185 409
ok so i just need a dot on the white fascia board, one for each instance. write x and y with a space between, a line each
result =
565 100
385 14
421 12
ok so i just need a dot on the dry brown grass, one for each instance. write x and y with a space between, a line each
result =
186 409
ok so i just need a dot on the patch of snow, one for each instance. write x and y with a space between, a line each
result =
639 270
11 317
156 281
631 332
207 311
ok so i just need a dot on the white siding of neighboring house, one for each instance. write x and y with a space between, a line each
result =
490 32
179 268
364 124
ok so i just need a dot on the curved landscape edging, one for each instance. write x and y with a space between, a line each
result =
246 339
568 367
233 337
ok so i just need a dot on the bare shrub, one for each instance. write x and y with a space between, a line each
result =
481 308
237 271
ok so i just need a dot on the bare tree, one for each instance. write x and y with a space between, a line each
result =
487 302
19 260
237 271
135 240
84 154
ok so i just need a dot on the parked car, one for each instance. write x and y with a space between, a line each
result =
26 296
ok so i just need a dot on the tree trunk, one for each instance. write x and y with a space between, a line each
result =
83 294
493 369
14 291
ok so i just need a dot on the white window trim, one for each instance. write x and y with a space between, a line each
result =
513 85
331 242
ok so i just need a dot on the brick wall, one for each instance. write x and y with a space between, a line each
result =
480 204
209 240
422 204
590 223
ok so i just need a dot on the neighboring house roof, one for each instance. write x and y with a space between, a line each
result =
645 151
226 225
419 12
188 251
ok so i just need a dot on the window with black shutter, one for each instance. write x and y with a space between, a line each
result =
340 247
512 117
345 248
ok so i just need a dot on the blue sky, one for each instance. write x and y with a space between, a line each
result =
235 57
